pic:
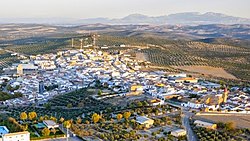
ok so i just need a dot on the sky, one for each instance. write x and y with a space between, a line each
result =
82 9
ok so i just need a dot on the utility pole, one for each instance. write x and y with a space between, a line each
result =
81 42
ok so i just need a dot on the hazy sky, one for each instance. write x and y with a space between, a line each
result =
117 8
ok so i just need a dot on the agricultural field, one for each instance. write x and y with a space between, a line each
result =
44 44
70 105
234 60
207 70
6 59
204 134
163 53
241 121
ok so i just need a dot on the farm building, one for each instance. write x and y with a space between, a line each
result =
18 136
178 132
204 124
50 124
147 122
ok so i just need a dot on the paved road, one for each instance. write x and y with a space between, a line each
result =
185 122
64 139
70 133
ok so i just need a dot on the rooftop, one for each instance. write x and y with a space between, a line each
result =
142 119
49 122
17 133
3 130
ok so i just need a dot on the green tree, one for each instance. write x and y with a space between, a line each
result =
45 132
47 105
24 127
23 116
53 130
53 118
126 115
119 117
67 124
99 92
69 105
32 115
41 118
79 120
230 126
95 117
61 120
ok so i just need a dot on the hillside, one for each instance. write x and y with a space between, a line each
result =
186 18
168 46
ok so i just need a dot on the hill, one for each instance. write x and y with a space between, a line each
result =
168 46
186 18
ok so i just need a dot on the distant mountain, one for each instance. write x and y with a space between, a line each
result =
207 18
188 18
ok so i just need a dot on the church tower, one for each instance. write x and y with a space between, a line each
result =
225 95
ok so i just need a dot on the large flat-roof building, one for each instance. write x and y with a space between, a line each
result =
147 122
26 69
179 132
18 136
204 124
50 124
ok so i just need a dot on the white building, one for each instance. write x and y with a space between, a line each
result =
204 124
50 124
195 105
26 68
179 132
18 136
147 122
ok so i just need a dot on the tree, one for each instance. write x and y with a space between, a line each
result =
46 117
87 122
99 92
61 120
67 123
23 116
95 117
32 115
53 118
126 115
41 118
79 120
24 127
81 104
230 126
46 132
169 122
69 105
119 117
47 105
53 130
139 104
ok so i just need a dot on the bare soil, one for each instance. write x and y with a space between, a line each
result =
241 121
207 70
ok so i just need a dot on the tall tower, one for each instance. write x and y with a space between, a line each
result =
20 69
81 43
94 38
225 95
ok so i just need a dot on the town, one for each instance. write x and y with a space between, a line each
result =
119 78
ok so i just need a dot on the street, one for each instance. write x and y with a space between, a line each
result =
185 122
